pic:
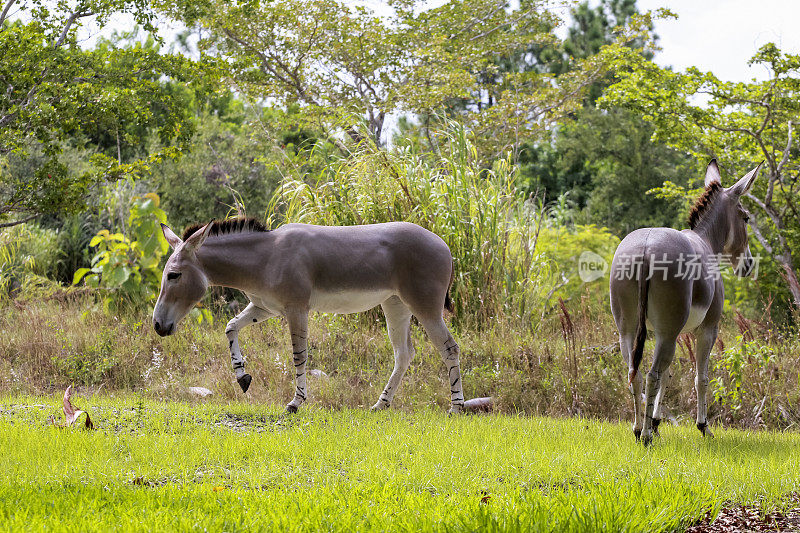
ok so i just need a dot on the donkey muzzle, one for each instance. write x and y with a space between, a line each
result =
163 329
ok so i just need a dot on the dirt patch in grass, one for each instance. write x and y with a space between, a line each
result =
751 518
242 423
134 419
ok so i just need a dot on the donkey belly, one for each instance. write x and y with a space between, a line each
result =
696 317
347 301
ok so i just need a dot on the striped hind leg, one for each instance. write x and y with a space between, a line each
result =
251 315
658 411
441 338
705 342
626 347
662 358
398 324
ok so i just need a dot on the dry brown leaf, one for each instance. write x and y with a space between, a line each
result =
71 414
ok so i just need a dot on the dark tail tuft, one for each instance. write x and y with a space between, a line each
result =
641 327
448 303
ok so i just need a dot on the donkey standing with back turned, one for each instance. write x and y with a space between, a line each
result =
298 268
670 281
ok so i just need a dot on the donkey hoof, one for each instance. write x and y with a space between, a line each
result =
638 434
455 409
704 429
244 382
291 409
656 422
381 405
647 439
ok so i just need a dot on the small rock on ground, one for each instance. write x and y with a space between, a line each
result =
200 391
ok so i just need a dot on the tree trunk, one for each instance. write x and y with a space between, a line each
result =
791 279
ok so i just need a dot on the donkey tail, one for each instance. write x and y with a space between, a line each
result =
448 303
641 327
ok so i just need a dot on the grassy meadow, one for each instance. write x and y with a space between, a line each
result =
557 455
240 466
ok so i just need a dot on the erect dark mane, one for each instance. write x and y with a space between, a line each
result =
703 204
231 225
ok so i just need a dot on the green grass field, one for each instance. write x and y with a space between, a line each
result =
238 466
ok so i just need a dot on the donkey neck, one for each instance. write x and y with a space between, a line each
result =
714 228
232 260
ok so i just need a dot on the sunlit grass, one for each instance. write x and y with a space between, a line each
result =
231 467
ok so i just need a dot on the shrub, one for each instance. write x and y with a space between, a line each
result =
128 267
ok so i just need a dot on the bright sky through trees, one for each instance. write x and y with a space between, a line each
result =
721 36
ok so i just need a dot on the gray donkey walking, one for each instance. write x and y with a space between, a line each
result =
298 268
669 281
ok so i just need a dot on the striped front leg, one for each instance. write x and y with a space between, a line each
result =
298 329
250 315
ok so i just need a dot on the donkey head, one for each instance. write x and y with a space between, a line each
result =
183 282
732 217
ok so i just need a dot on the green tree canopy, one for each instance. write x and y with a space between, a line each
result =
52 92
344 64
601 163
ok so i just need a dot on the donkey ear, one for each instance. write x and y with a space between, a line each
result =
712 173
198 238
173 240
743 185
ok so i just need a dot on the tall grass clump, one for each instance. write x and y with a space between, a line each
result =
491 230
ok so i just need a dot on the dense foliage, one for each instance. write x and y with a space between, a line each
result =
57 97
